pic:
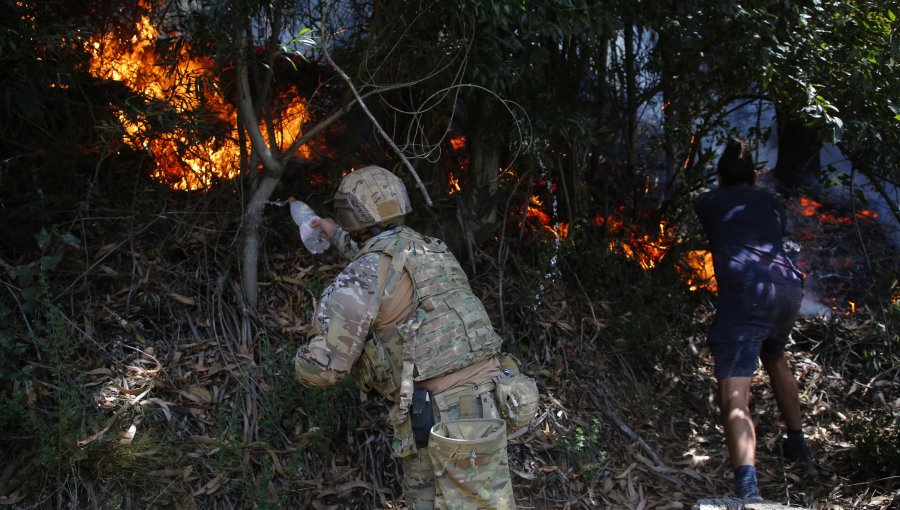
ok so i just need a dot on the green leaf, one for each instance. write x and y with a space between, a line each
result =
23 276
29 296
71 240
50 262
290 61
891 15
837 132
43 238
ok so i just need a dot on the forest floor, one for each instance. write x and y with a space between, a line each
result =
143 383
611 438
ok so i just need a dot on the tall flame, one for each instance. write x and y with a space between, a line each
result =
182 160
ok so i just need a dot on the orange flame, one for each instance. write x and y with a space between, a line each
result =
702 274
535 211
182 161
648 251
810 207
641 248
453 183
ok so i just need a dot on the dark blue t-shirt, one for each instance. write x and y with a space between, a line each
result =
744 226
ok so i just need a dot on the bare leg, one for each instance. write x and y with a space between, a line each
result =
734 402
785 388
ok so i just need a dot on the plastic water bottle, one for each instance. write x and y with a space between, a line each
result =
314 239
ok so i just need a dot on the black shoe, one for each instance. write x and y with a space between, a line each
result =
796 452
799 456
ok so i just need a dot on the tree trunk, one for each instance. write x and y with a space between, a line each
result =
273 169
250 242
630 98
798 151
478 211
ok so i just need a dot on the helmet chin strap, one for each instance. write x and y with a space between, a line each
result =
363 235
374 230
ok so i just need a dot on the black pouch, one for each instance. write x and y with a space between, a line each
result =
421 416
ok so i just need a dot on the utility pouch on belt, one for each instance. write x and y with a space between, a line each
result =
471 464
421 416
517 396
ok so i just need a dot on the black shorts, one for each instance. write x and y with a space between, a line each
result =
749 320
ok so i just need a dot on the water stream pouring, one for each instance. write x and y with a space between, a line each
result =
313 238
553 272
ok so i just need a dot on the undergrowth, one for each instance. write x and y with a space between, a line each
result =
645 309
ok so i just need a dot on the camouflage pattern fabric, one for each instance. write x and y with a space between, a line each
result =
346 314
467 489
448 331
343 243
369 196
456 330
376 370
471 466
418 480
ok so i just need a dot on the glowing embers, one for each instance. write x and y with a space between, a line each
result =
453 183
811 208
458 143
537 216
644 249
183 119
648 251
698 270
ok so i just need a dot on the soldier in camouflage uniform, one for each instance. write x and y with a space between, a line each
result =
403 321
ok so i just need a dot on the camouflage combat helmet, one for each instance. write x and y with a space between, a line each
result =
370 196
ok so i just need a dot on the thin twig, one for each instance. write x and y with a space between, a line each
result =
626 431
362 104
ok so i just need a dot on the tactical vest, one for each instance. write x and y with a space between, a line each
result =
449 327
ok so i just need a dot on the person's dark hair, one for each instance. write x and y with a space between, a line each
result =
736 164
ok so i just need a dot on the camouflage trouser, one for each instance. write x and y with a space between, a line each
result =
465 466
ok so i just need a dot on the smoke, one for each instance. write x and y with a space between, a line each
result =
835 165
812 306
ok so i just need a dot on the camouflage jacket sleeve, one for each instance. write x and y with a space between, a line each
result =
342 242
344 317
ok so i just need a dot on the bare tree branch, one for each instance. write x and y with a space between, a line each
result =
365 108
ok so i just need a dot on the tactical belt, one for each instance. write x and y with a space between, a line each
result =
465 396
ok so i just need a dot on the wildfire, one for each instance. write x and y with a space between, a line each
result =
810 208
643 249
648 251
535 211
183 161
458 143
701 275
453 183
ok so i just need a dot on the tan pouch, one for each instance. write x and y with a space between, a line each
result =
471 465
517 399
374 369
404 442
